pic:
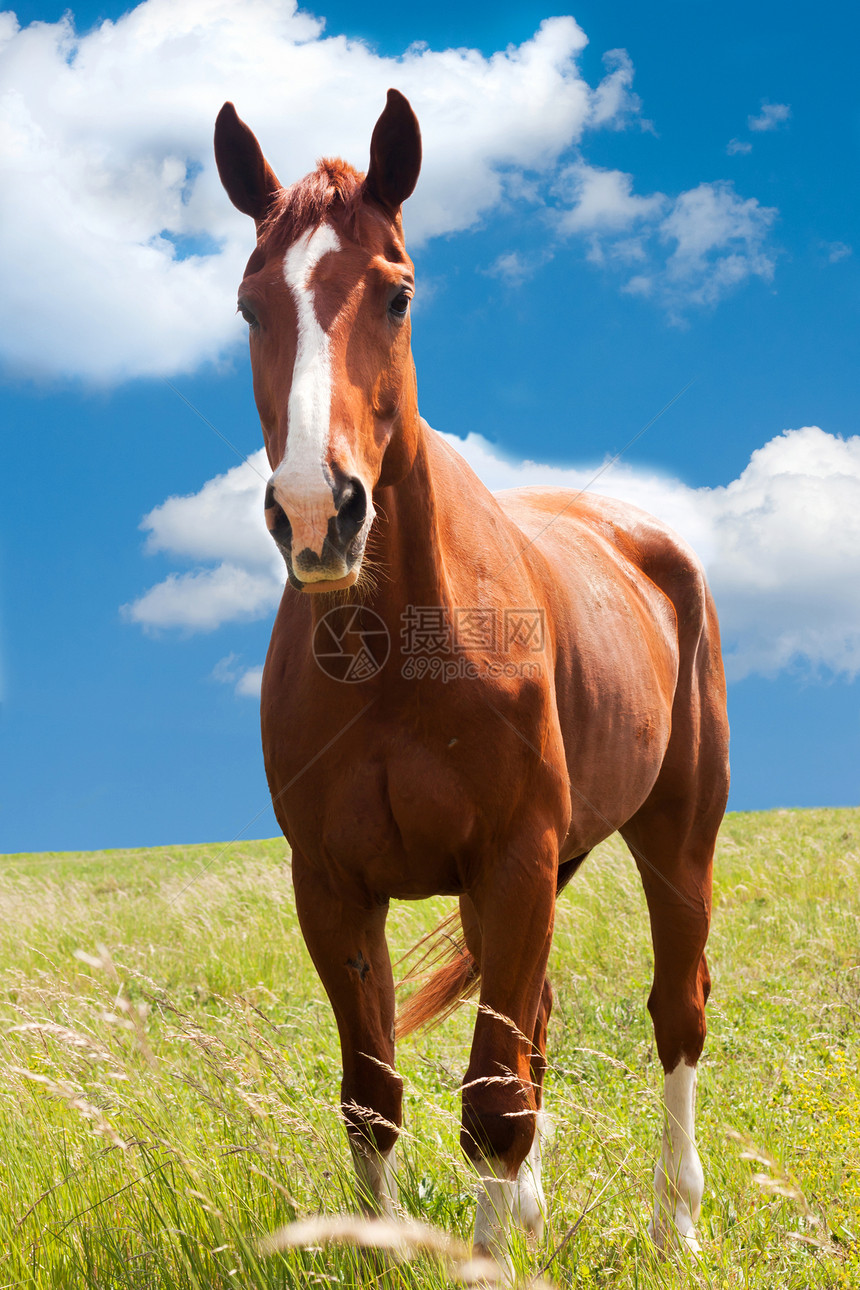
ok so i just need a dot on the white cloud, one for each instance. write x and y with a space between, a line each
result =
121 252
221 526
837 251
719 241
203 599
787 554
771 116
246 681
614 103
603 200
514 267
689 252
249 683
216 526
780 544
641 284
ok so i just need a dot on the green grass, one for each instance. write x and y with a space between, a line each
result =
171 1098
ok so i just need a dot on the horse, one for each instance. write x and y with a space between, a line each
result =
464 694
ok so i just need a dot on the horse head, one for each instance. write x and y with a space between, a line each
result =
326 297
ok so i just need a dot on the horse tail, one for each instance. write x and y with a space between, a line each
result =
450 975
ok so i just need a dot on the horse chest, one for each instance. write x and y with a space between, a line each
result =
408 819
404 825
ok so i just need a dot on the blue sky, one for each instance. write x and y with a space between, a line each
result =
591 234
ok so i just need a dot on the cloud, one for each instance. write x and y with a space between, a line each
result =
603 200
515 268
614 103
205 598
216 526
784 566
772 116
779 543
237 573
249 683
718 240
689 252
837 251
246 681
122 253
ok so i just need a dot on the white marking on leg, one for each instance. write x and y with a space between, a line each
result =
497 1196
530 1202
679 1182
376 1175
300 482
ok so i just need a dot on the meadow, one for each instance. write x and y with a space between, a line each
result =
170 1075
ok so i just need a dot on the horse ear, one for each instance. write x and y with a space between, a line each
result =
395 154
247 176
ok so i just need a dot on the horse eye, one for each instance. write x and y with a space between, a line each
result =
399 304
250 318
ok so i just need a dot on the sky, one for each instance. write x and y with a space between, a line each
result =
636 247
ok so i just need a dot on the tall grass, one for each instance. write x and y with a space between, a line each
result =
170 1075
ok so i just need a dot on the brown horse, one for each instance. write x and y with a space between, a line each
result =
486 688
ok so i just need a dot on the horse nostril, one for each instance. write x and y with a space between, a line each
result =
351 502
276 519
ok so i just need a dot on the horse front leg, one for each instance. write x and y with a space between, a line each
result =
514 907
529 1207
347 944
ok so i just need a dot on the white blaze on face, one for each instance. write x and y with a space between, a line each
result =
300 482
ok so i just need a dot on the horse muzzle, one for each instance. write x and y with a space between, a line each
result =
322 539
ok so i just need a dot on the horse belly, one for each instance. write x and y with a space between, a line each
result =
612 773
615 695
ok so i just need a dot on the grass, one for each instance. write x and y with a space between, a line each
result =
170 1070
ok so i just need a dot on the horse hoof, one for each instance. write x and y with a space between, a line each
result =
529 1208
690 1243
486 1268
667 1239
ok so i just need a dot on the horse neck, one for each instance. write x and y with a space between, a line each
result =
407 548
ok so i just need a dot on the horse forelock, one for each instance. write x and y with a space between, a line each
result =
333 190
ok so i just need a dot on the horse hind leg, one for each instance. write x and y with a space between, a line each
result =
679 1180
676 875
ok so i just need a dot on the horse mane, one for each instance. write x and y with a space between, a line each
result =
334 187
